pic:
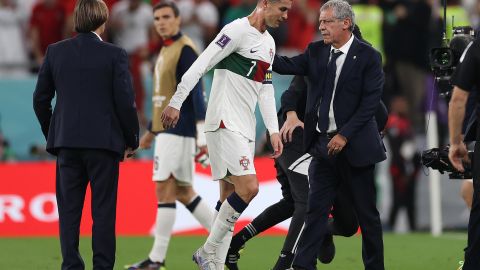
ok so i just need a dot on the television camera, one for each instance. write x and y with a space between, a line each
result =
443 62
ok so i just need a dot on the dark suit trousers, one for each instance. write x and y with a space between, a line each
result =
326 174
75 168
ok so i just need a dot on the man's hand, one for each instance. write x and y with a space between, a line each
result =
336 144
129 152
146 140
170 117
277 145
458 153
290 125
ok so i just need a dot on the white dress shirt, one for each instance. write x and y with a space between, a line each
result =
97 35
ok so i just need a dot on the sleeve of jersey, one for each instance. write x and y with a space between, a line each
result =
266 102
187 58
223 45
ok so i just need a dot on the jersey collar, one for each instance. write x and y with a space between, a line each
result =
170 41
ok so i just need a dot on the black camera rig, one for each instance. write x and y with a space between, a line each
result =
443 62
437 159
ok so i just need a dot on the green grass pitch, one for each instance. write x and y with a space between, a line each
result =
402 252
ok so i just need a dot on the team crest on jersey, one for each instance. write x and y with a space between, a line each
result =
268 77
271 54
244 162
223 41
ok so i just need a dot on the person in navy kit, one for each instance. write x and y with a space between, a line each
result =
91 128
340 131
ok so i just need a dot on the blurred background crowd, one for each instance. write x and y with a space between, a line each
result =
403 30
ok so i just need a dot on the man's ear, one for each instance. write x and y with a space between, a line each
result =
347 24
264 3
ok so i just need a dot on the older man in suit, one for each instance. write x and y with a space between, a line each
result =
94 124
346 82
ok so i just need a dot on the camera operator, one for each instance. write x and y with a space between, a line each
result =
466 80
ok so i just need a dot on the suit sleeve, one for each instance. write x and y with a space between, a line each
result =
124 100
297 65
187 58
371 95
43 95
222 46
293 94
381 116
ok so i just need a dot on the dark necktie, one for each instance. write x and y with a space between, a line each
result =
328 85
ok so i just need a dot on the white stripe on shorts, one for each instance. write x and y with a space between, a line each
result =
301 164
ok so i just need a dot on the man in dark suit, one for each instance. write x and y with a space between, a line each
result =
94 124
340 131
292 174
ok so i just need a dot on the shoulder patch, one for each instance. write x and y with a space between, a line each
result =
223 41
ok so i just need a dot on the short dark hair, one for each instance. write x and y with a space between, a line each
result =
89 15
167 3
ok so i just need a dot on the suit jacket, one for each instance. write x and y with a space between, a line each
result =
357 97
95 101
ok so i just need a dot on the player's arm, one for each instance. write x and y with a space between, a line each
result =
266 102
223 45
187 58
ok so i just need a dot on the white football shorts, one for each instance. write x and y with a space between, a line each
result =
174 155
230 153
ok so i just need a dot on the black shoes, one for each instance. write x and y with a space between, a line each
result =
146 264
